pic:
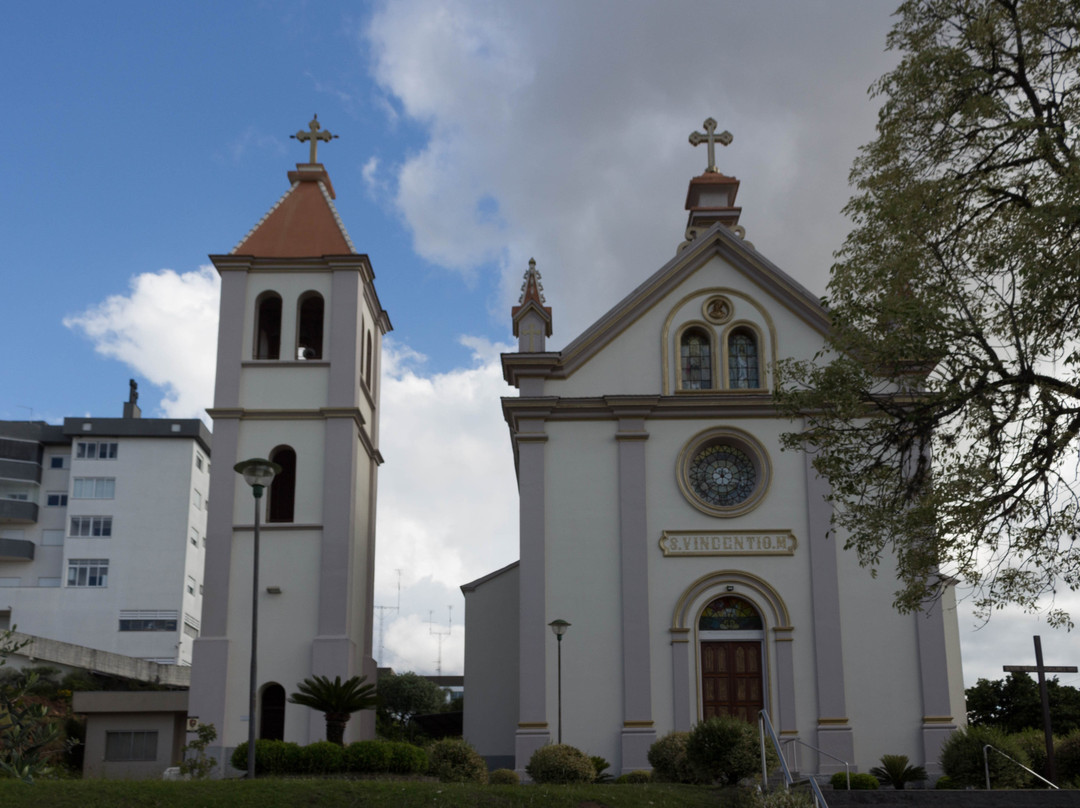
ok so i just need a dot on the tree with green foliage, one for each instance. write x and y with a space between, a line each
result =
337 700
1014 704
403 696
27 729
944 410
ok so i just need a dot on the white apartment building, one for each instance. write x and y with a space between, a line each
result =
103 532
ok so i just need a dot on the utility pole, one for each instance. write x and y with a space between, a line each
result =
441 634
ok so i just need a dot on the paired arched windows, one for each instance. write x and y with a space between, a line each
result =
698 358
282 502
268 326
310 319
309 329
695 359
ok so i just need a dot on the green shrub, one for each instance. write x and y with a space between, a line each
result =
895 771
667 756
962 759
637 777
322 757
859 782
600 766
724 750
405 758
782 798
271 757
945 783
1067 757
503 777
1033 742
367 757
560 763
453 760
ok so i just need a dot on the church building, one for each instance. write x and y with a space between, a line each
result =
299 344
692 558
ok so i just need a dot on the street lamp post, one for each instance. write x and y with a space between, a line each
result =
558 628
257 473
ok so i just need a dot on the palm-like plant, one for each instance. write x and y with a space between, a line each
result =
337 700
894 770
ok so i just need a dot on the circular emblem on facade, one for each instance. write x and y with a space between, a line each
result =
717 309
723 472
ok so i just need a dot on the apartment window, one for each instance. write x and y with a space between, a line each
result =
191 584
94 488
93 526
198 461
195 537
58 462
88 572
55 499
10 582
148 620
52 538
133 745
48 582
198 499
95 450
22 496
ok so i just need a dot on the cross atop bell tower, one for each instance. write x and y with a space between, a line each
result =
314 135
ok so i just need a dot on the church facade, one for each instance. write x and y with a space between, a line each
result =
691 556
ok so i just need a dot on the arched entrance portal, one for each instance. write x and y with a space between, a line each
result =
731 633
272 717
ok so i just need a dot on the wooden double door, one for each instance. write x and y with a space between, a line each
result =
731 679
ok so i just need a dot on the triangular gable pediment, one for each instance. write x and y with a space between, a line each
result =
717 241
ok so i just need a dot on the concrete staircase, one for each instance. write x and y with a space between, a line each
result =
930 798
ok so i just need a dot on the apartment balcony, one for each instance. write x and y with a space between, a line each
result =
18 510
16 550
18 470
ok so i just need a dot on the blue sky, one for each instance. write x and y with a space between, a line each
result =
473 136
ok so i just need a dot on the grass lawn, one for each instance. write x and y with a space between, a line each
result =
344 794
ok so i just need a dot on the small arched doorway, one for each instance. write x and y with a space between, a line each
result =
731 633
272 713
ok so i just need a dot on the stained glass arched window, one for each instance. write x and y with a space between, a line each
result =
695 357
742 361
730 614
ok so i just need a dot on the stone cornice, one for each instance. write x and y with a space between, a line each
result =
723 403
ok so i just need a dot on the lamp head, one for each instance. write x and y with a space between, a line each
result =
558 628
257 473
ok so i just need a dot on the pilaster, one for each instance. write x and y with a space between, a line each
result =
938 721
532 730
834 733
638 732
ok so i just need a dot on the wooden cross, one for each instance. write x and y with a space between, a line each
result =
314 135
710 137
532 330
1042 670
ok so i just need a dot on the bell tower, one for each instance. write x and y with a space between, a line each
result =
299 344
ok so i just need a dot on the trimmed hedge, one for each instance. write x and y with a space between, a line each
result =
453 760
636 777
724 750
365 757
503 777
560 763
668 758
859 782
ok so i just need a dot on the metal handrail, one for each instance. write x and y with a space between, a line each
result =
847 766
986 766
765 725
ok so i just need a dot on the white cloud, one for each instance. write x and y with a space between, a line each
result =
560 130
166 330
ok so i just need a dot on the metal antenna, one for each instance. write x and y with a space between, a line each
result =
441 634
382 615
